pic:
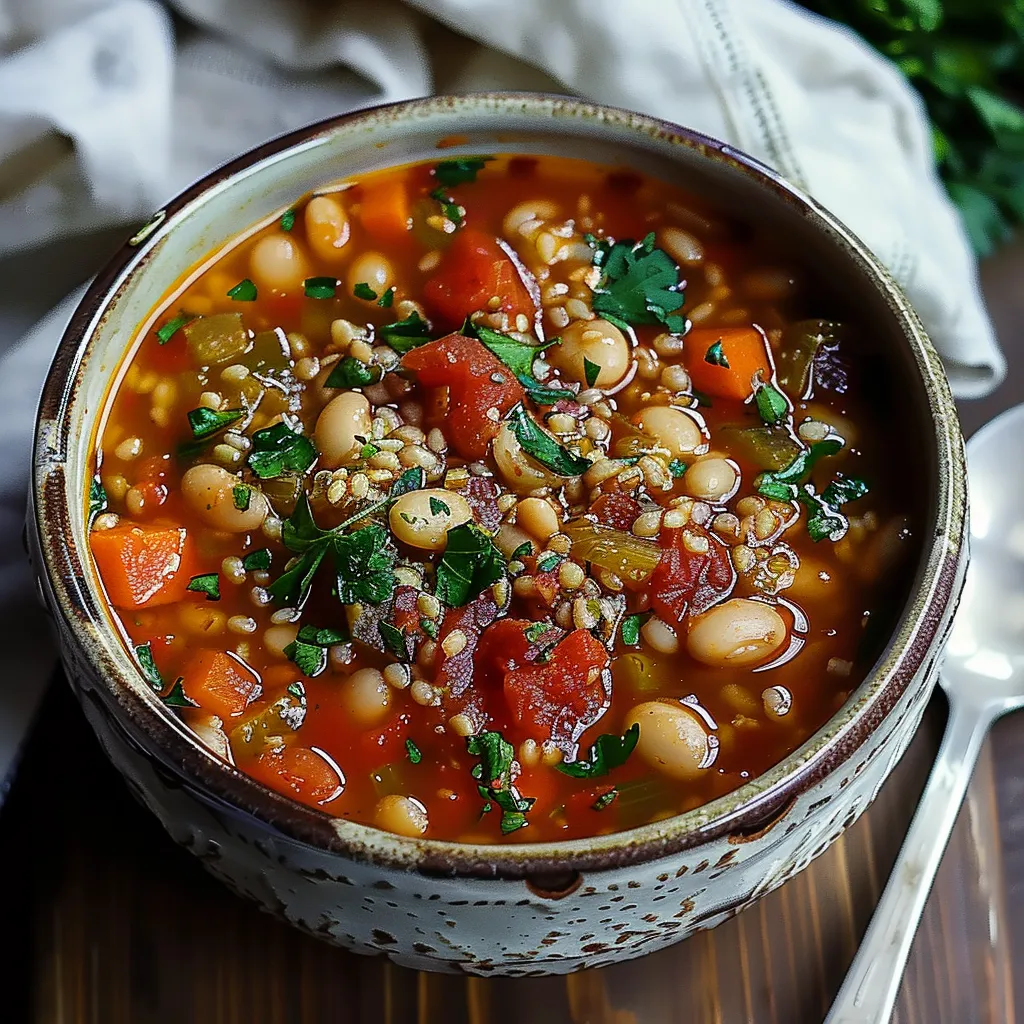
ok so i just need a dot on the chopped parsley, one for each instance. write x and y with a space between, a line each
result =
175 697
541 446
591 371
494 779
394 640
169 329
772 404
824 520
543 395
207 422
608 752
470 564
98 501
459 172
549 563
362 290
320 287
368 450
287 220
604 800
309 649
438 507
257 561
715 356
413 752
387 298
516 354
782 484
242 497
406 334
349 372
278 449
208 583
677 468
430 627
639 284
630 629
524 549
449 208
244 291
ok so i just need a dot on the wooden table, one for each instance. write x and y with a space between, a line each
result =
109 923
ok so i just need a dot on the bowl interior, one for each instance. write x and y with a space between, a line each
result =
261 185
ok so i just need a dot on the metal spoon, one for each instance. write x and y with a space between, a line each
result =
983 676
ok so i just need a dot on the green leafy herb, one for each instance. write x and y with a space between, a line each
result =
169 329
430 627
208 583
244 291
543 395
772 404
604 800
494 779
715 355
363 291
536 630
387 298
291 588
470 564
368 451
639 284
630 629
413 752
394 640
98 501
449 208
591 371
524 549
364 563
321 287
207 422
349 372
257 561
844 489
287 220
278 449
541 446
242 497
438 507
516 354
608 752
824 520
176 697
405 335
144 652
458 172
782 484
547 564
309 649
677 468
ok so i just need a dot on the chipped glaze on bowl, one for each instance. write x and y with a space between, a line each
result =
436 905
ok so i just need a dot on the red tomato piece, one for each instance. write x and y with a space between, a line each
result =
481 389
455 672
299 772
617 510
475 271
688 582
559 698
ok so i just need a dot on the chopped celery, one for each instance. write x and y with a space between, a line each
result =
216 338
630 558
283 492
388 780
768 448
628 440
795 351
269 351
270 723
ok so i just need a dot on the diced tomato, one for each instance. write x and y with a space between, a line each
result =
142 567
475 271
559 698
745 351
617 510
482 494
298 772
220 683
481 389
455 672
688 582
384 745
405 614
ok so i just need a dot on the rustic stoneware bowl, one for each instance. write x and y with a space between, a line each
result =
519 909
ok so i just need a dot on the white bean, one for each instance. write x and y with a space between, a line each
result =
537 518
210 492
683 247
660 635
671 428
277 261
713 479
423 518
340 423
595 341
327 227
521 473
402 814
277 638
738 632
365 696
372 269
673 740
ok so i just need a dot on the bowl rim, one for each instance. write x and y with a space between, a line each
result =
67 578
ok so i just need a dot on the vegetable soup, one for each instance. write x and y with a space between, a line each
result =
503 498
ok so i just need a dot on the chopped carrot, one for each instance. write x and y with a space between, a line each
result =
745 351
384 210
142 567
298 772
220 683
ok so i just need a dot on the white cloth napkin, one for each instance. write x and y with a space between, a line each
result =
152 97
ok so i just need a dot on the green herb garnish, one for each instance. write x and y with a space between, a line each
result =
540 445
516 354
524 549
208 583
387 298
242 497
639 284
176 697
608 752
429 626
630 629
349 372
470 564
278 449
207 422
287 220
257 561
782 484
98 501
144 652
320 287
449 208
604 800
413 752
677 468
459 172
309 649
591 371
244 291
549 563
363 291
394 640
405 335
824 520
169 329
772 404
543 395
438 507
494 779
715 356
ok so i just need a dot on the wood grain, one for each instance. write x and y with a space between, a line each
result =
119 926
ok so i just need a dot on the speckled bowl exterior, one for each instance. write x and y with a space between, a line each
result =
514 909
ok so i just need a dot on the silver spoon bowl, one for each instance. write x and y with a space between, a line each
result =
983 676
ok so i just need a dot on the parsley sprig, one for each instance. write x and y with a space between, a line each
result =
309 649
470 564
495 780
609 751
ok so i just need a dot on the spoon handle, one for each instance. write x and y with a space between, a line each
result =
873 982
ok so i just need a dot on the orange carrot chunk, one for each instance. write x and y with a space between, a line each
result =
220 683
384 210
725 363
142 567
298 772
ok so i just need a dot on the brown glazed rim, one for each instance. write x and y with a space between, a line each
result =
150 727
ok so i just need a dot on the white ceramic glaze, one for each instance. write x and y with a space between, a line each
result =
517 909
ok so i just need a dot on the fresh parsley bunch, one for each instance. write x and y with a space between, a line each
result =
966 59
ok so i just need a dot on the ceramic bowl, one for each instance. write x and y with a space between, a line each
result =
514 909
